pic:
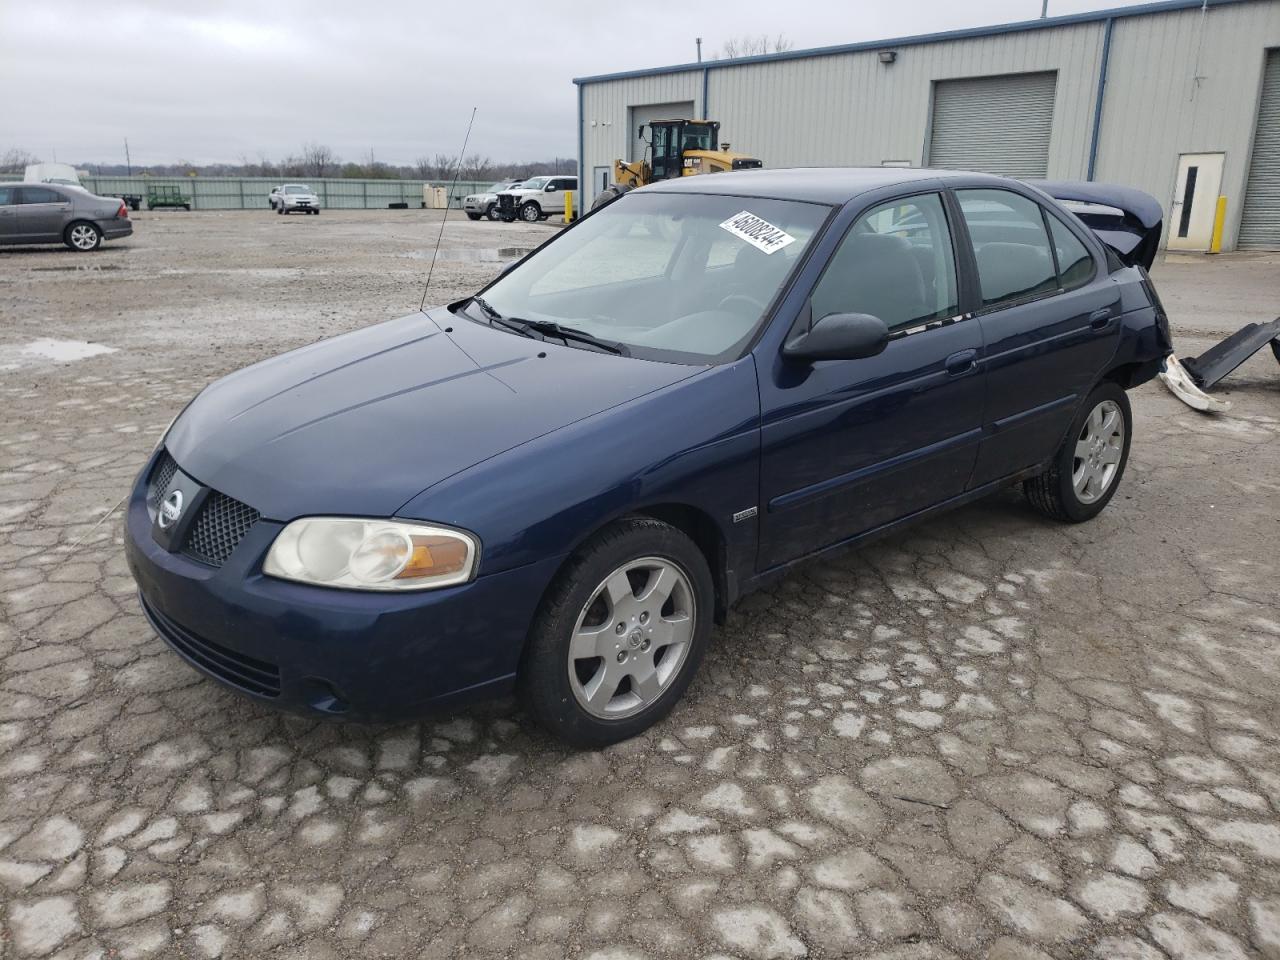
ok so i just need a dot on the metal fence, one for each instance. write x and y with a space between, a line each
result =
250 193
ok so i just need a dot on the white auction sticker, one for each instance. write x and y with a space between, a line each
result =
760 233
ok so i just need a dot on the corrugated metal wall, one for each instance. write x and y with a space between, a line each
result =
1155 109
239 193
850 109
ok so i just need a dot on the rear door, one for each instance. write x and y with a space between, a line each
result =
851 445
42 214
1050 319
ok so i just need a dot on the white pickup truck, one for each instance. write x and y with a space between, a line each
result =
535 199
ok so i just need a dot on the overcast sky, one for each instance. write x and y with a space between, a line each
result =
221 80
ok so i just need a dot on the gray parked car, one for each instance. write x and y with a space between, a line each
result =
55 213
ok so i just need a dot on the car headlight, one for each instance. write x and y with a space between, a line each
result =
358 554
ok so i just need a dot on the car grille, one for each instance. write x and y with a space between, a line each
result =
246 673
161 474
507 203
221 525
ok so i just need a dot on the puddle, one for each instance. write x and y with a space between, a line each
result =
58 351
78 268
474 254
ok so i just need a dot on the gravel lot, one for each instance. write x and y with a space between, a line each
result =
993 736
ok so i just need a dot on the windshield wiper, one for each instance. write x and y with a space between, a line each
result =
548 328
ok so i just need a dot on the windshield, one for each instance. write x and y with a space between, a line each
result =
537 183
495 187
684 277
297 188
697 137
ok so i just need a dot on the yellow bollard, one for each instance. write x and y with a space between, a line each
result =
568 208
1219 218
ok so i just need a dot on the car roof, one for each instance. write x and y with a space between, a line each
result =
831 185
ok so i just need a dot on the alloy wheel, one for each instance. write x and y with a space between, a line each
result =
1098 451
84 237
632 638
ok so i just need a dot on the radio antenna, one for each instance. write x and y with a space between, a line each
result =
448 200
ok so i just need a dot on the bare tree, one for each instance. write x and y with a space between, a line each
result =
476 167
318 159
16 160
748 46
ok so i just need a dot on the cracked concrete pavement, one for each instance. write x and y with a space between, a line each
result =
991 736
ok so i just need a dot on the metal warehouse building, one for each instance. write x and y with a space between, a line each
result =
1181 99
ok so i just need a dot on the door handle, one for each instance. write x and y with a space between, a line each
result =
961 362
1099 319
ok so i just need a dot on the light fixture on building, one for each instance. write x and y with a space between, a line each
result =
888 56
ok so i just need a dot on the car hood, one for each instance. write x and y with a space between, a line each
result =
362 423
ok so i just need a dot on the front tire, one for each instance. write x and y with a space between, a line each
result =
1087 468
491 212
281 210
472 216
619 635
531 212
82 236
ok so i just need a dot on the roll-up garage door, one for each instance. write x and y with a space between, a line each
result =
993 124
655 111
1260 221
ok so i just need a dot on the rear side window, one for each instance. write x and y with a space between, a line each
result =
1010 244
40 195
895 263
1075 263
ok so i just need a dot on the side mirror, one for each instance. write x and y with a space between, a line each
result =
640 132
839 336
549 188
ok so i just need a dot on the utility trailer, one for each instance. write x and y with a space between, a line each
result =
162 195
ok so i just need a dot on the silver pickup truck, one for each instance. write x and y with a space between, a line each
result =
485 203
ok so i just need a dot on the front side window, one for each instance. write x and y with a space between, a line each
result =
686 278
537 183
1010 245
896 263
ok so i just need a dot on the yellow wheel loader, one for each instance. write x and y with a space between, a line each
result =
676 148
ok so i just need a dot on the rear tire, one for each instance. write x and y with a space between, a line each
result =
82 236
1086 469
649 643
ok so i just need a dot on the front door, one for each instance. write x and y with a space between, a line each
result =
851 445
1195 201
8 213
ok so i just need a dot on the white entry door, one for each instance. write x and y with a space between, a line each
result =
1195 201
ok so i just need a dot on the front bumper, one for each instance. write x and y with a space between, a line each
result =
312 650
301 204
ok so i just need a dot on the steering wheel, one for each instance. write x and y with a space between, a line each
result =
751 302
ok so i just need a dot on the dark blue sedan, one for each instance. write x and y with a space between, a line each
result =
557 485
